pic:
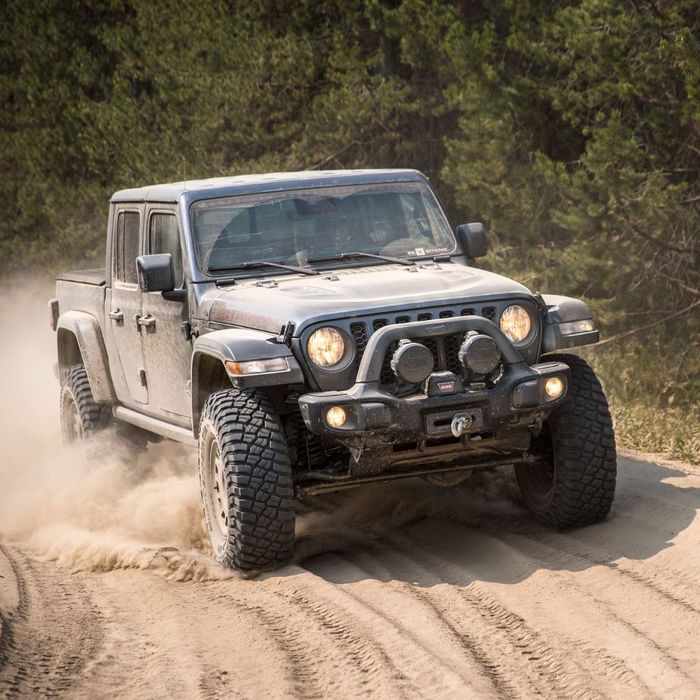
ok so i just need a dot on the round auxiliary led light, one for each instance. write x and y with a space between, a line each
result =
479 353
554 387
412 362
336 417
515 323
326 347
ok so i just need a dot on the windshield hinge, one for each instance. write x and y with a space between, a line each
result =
286 333
539 300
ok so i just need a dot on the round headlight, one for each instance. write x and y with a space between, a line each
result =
326 347
516 323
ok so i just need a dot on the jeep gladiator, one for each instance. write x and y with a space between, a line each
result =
316 331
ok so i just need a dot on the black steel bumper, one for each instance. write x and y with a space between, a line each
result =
376 418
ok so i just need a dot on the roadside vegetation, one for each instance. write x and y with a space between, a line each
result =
571 128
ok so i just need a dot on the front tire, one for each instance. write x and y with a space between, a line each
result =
81 416
576 484
246 481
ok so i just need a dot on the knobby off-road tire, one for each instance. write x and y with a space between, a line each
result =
81 416
576 486
246 481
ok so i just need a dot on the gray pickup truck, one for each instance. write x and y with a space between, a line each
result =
320 330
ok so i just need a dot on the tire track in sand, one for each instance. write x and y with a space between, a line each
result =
591 630
46 659
421 650
667 583
514 646
326 651
370 660
522 660
470 641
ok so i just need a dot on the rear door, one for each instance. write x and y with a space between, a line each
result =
167 350
124 307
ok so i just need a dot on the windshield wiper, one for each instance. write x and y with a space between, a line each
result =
357 254
263 263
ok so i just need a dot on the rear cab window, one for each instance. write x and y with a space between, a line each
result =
126 248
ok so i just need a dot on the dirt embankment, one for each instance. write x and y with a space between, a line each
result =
404 590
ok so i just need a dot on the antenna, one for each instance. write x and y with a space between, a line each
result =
184 172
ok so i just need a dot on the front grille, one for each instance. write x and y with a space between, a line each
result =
490 313
445 349
361 335
452 345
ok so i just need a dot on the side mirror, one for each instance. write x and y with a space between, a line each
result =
472 238
155 272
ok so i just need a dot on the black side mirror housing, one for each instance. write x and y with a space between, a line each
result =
155 272
472 238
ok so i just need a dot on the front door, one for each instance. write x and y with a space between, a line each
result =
124 307
167 351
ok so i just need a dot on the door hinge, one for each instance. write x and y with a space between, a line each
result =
188 332
142 377
148 322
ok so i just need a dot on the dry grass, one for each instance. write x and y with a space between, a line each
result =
671 431
653 384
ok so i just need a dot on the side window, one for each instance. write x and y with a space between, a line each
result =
163 237
127 250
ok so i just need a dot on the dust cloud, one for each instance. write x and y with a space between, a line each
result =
97 506
358 517
103 505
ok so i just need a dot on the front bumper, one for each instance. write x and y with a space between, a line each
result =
383 429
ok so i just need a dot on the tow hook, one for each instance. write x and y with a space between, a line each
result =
460 424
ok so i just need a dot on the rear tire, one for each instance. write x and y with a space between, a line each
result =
576 485
81 416
246 481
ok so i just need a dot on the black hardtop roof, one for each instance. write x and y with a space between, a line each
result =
212 188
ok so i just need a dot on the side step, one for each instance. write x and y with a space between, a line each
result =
153 425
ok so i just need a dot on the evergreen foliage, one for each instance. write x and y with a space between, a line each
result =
572 128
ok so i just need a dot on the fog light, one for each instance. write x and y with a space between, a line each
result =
554 387
479 353
412 362
336 417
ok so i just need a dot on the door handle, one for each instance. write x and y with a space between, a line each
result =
147 321
117 315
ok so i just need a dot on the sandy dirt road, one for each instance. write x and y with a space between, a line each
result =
419 592
404 590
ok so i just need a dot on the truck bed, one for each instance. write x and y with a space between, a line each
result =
82 290
96 276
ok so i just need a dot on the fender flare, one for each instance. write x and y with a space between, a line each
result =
87 334
238 345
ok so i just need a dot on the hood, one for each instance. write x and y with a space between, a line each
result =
275 301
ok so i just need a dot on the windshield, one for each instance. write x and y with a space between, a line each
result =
394 219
